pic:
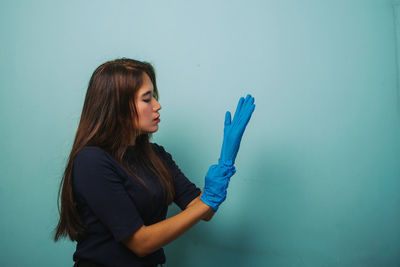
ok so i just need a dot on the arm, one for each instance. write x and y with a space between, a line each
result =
208 216
150 238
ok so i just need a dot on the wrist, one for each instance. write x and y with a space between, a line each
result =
213 205
205 205
226 162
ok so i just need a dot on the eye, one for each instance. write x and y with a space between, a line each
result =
147 100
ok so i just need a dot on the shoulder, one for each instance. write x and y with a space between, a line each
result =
90 152
92 156
157 148
162 153
160 150
93 166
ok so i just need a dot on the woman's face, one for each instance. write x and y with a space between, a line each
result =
147 107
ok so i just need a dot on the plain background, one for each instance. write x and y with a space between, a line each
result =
318 173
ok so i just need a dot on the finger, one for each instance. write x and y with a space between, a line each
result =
248 98
248 102
245 116
239 106
227 118
250 112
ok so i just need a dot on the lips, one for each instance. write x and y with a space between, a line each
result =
157 119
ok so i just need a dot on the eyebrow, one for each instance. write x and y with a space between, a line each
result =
147 93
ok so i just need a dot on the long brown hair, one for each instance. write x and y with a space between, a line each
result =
109 121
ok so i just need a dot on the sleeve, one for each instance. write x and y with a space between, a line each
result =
96 180
185 190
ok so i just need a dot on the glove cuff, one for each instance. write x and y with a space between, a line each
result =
227 163
214 206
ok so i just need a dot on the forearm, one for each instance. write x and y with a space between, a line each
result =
209 215
150 238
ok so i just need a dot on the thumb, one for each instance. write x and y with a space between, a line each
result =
227 118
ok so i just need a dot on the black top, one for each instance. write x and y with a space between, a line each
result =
114 206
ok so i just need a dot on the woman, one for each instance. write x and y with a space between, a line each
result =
117 186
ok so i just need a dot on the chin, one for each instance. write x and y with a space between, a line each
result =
152 130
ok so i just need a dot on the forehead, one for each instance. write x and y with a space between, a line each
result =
147 86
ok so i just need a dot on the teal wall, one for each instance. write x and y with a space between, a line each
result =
318 180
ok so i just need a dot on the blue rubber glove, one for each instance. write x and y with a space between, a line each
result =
216 183
233 131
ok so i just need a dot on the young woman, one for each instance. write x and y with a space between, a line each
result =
117 186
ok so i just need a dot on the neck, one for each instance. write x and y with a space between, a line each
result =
132 143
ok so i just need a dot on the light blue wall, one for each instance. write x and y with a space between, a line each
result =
318 181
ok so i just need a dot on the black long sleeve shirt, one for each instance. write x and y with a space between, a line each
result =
114 206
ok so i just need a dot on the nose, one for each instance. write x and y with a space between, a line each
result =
157 106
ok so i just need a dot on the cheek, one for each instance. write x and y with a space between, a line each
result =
144 112
147 112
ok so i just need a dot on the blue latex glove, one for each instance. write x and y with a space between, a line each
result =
216 183
233 131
